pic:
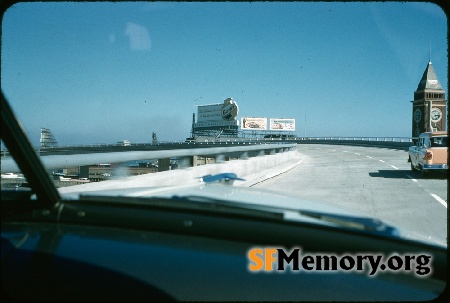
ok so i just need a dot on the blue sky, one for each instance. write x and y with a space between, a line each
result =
104 72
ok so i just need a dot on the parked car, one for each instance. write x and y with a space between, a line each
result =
430 152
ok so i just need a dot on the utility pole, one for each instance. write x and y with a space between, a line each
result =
304 130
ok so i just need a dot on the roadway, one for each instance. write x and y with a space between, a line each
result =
374 181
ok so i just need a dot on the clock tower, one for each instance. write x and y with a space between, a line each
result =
429 112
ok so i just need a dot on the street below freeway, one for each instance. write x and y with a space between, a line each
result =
377 182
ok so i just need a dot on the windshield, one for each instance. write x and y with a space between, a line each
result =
11 180
316 101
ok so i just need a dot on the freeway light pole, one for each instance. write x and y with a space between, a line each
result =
304 130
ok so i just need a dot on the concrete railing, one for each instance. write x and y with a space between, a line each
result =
241 151
402 143
388 142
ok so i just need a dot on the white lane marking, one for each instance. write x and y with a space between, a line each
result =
381 161
414 180
394 167
369 157
439 199
357 154
436 197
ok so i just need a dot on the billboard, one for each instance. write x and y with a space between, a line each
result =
254 123
282 124
221 112
209 113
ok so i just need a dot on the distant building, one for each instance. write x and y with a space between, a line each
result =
429 112
47 138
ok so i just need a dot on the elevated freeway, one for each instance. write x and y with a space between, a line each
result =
389 142
371 176
373 181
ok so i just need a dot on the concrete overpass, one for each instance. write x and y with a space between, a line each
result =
83 156
219 150
366 175
374 181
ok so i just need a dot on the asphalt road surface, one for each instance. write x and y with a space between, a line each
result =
373 181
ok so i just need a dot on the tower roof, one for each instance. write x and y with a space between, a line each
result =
429 79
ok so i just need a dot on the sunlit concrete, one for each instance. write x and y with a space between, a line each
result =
65 160
253 170
377 182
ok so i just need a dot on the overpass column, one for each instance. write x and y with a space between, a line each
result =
186 162
244 156
163 164
83 172
220 158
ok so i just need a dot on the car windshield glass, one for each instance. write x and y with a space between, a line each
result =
316 101
11 180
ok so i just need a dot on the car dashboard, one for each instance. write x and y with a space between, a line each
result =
95 250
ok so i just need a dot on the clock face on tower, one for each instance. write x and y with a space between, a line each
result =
417 115
436 114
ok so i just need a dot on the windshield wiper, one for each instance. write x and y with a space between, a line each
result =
213 205
362 223
199 203
347 221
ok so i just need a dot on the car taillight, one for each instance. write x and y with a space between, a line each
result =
428 155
